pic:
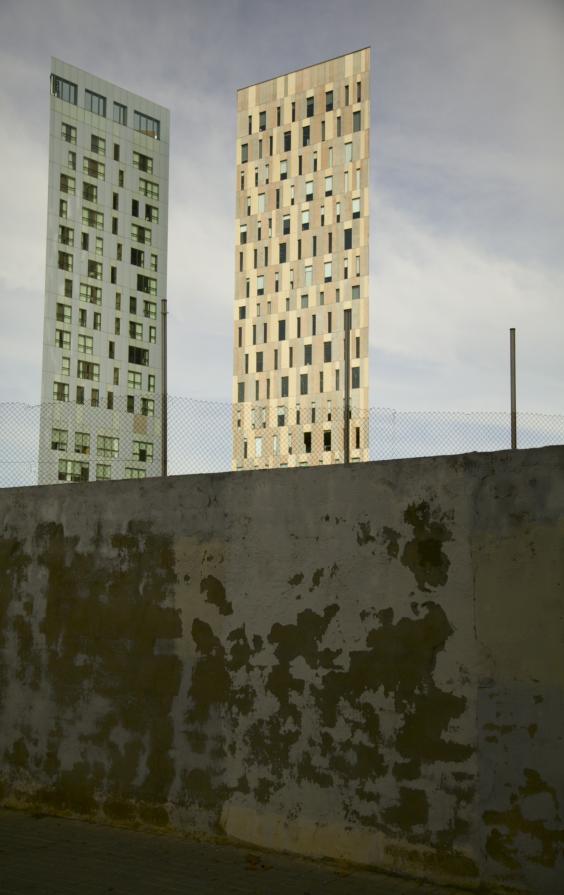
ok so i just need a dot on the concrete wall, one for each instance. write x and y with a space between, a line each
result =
364 663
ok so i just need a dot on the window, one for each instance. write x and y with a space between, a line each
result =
348 152
307 355
90 192
138 356
132 473
240 391
150 310
92 218
151 127
81 317
95 269
85 344
68 133
65 261
244 153
329 101
97 321
133 379
338 212
262 121
305 301
348 238
97 144
135 331
120 113
93 102
143 162
259 366
282 252
59 439
309 190
242 234
152 214
283 169
303 383
326 352
148 188
143 451
63 208
153 335
116 152
63 339
281 330
103 472
64 90
355 208
287 141
137 257
82 443
135 208
260 285
90 293
146 284
141 234
327 440
281 414
72 471
308 271
329 186
355 293
338 125
84 241
66 236
261 202
67 184
60 391
310 106
284 387
328 271
355 371
305 135
64 313
151 382
147 407
356 121
88 370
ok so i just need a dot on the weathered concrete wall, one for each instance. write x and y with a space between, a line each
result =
364 663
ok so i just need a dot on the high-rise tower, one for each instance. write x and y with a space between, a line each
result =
302 232
105 283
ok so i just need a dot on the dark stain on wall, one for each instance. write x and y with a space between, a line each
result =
424 554
215 594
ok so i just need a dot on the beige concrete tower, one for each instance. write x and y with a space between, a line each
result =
302 232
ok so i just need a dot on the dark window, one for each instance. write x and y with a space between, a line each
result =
329 101
278 115
135 208
327 440
286 224
307 442
355 377
310 106
262 121
358 91
282 252
284 387
305 135
356 121
281 330
240 391
327 351
65 90
307 355
346 94
242 312
138 356
259 362
93 102
348 238
303 383
151 127
244 153
287 141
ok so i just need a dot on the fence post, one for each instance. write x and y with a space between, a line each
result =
513 389
164 398
347 432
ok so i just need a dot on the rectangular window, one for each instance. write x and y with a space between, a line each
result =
305 219
152 214
329 101
150 310
63 89
355 208
348 238
120 113
148 188
310 106
65 261
97 321
141 234
143 451
281 330
283 169
355 377
133 379
103 472
259 362
81 443
305 135
242 234
63 339
151 127
64 313
97 144
143 162
66 236
356 121
63 208
88 370
260 285
68 133
348 152
135 331
72 471
328 271
90 293
146 284
92 218
137 257
329 186
147 407
151 382
59 439
67 184
132 473
262 121
60 391
307 355
153 335
244 153
282 252
94 102
308 271
303 383
327 352
355 293
95 269
309 190
85 344
284 387
138 356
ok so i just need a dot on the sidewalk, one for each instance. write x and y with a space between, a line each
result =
43 855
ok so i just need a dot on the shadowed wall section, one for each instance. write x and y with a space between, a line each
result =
362 663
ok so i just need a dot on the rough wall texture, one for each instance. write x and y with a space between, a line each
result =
364 663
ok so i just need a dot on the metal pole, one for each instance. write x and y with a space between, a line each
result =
164 398
347 432
513 390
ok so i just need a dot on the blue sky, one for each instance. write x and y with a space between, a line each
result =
467 200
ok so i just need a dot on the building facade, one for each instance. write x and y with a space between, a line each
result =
301 262
105 282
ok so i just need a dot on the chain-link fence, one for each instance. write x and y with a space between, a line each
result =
69 442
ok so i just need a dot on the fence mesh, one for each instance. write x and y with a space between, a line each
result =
67 442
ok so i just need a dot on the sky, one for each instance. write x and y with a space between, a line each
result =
467 179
